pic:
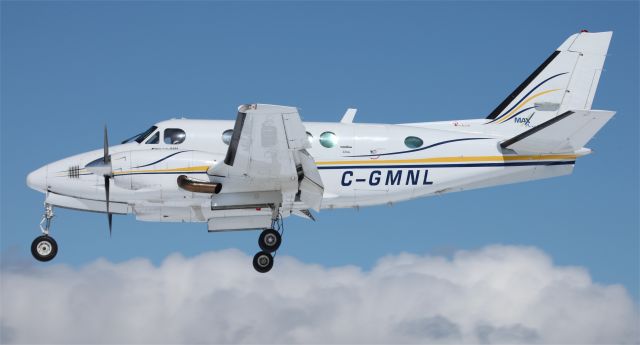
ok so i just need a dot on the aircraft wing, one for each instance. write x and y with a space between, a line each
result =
267 162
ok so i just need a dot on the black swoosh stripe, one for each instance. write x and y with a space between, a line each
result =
160 160
418 149
525 96
516 114
522 86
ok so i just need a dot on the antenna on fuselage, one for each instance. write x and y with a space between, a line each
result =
349 115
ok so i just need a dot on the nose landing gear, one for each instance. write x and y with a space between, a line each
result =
44 248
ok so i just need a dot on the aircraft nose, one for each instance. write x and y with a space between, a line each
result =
37 179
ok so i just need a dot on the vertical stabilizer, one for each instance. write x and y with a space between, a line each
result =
567 79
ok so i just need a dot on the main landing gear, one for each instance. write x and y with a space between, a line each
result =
44 248
269 241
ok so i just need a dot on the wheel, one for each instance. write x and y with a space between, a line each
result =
269 240
263 262
44 248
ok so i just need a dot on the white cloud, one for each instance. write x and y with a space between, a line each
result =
499 294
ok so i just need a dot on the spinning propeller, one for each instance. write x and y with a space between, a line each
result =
102 166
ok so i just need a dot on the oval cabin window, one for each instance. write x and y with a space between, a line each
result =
413 142
328 139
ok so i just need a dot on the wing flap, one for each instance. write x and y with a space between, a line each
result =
267 152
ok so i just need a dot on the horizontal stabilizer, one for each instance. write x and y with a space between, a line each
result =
567 132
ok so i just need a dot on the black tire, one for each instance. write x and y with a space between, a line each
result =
263 262
44 248
269 240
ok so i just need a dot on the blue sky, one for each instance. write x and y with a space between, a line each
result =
70 67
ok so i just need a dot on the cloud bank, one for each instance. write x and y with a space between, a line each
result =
498 294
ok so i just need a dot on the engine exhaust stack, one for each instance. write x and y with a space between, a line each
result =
198 186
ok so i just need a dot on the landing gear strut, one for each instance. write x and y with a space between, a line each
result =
269 241
45 248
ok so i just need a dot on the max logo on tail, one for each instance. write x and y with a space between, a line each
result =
525 121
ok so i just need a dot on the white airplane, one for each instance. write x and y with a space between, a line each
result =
268 164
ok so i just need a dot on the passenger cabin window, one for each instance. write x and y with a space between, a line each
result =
310 137
328 139
413 142
226 136
154 138
174 136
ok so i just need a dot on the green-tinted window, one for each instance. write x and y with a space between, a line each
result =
328 139
413 142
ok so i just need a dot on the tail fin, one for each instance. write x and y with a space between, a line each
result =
566 80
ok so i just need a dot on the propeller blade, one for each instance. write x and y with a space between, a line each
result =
106 145
109 215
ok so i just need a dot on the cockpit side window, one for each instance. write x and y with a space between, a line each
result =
174 136
154 138
140 137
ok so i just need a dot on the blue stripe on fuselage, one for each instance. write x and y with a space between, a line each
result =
450 165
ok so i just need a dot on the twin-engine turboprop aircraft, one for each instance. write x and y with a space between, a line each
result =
269 164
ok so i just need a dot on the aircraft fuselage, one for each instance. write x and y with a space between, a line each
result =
367 164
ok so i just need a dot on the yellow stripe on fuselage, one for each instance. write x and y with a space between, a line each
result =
459 159
200 168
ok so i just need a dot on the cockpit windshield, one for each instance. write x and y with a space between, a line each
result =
141 136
